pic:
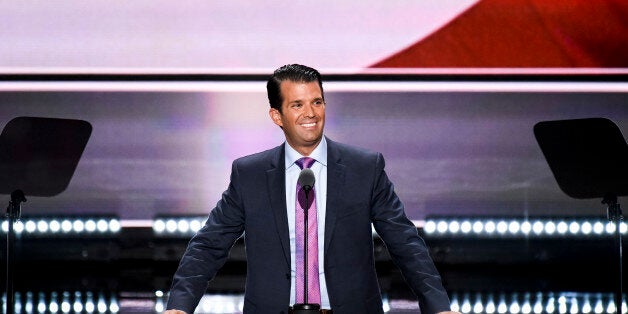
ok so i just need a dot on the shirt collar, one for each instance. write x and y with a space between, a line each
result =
319 154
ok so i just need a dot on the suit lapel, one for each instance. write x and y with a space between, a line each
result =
276 183
335 187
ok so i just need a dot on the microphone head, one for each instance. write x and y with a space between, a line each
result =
306 179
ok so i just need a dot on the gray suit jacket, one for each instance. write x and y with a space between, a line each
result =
358 194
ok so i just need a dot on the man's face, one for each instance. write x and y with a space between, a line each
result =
302 115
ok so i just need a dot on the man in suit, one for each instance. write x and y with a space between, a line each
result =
352 193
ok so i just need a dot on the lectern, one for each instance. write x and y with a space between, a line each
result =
38 157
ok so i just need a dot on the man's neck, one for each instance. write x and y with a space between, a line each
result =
305 150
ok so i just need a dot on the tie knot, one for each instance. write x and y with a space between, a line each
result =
305 162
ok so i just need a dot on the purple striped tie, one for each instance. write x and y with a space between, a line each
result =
314 294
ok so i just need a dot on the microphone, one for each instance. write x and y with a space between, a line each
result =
306 180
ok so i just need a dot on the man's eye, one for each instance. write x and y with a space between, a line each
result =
319 102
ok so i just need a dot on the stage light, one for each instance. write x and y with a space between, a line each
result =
465 227
610 227
490 227
598 228
561 227
18 227
454 227
66 226
65 302
538 306
17 297
78 226
159 226
466 304
537 227
586 308
574 309
42 226
171 225
610 308
89 302
429 227
574 227
183 226
478 226
454 304
550 227
41 303
30 226
514 307
502 227
54 305
195 225
114 225
478 307
77 306
526 307
490 306
55 226
102 225
526 227
513 227
113 305
586 228
502 307
599 306
90 225
102 304
441 226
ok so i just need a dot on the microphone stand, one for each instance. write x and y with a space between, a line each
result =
615 216
305 308
13 213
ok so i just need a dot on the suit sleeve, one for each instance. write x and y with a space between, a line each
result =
208 249
406 247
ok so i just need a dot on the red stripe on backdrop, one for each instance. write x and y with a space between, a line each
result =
525 33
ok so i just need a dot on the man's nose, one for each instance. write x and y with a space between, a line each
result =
309 110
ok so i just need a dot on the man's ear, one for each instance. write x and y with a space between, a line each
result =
275 115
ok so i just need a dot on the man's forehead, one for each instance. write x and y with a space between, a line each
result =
292 84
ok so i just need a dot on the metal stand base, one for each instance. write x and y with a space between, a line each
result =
305 309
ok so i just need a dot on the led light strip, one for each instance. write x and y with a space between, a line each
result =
464 302
537 303
63 302
443 227
178 226
64 226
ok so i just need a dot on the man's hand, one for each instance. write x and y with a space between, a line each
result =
174 312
